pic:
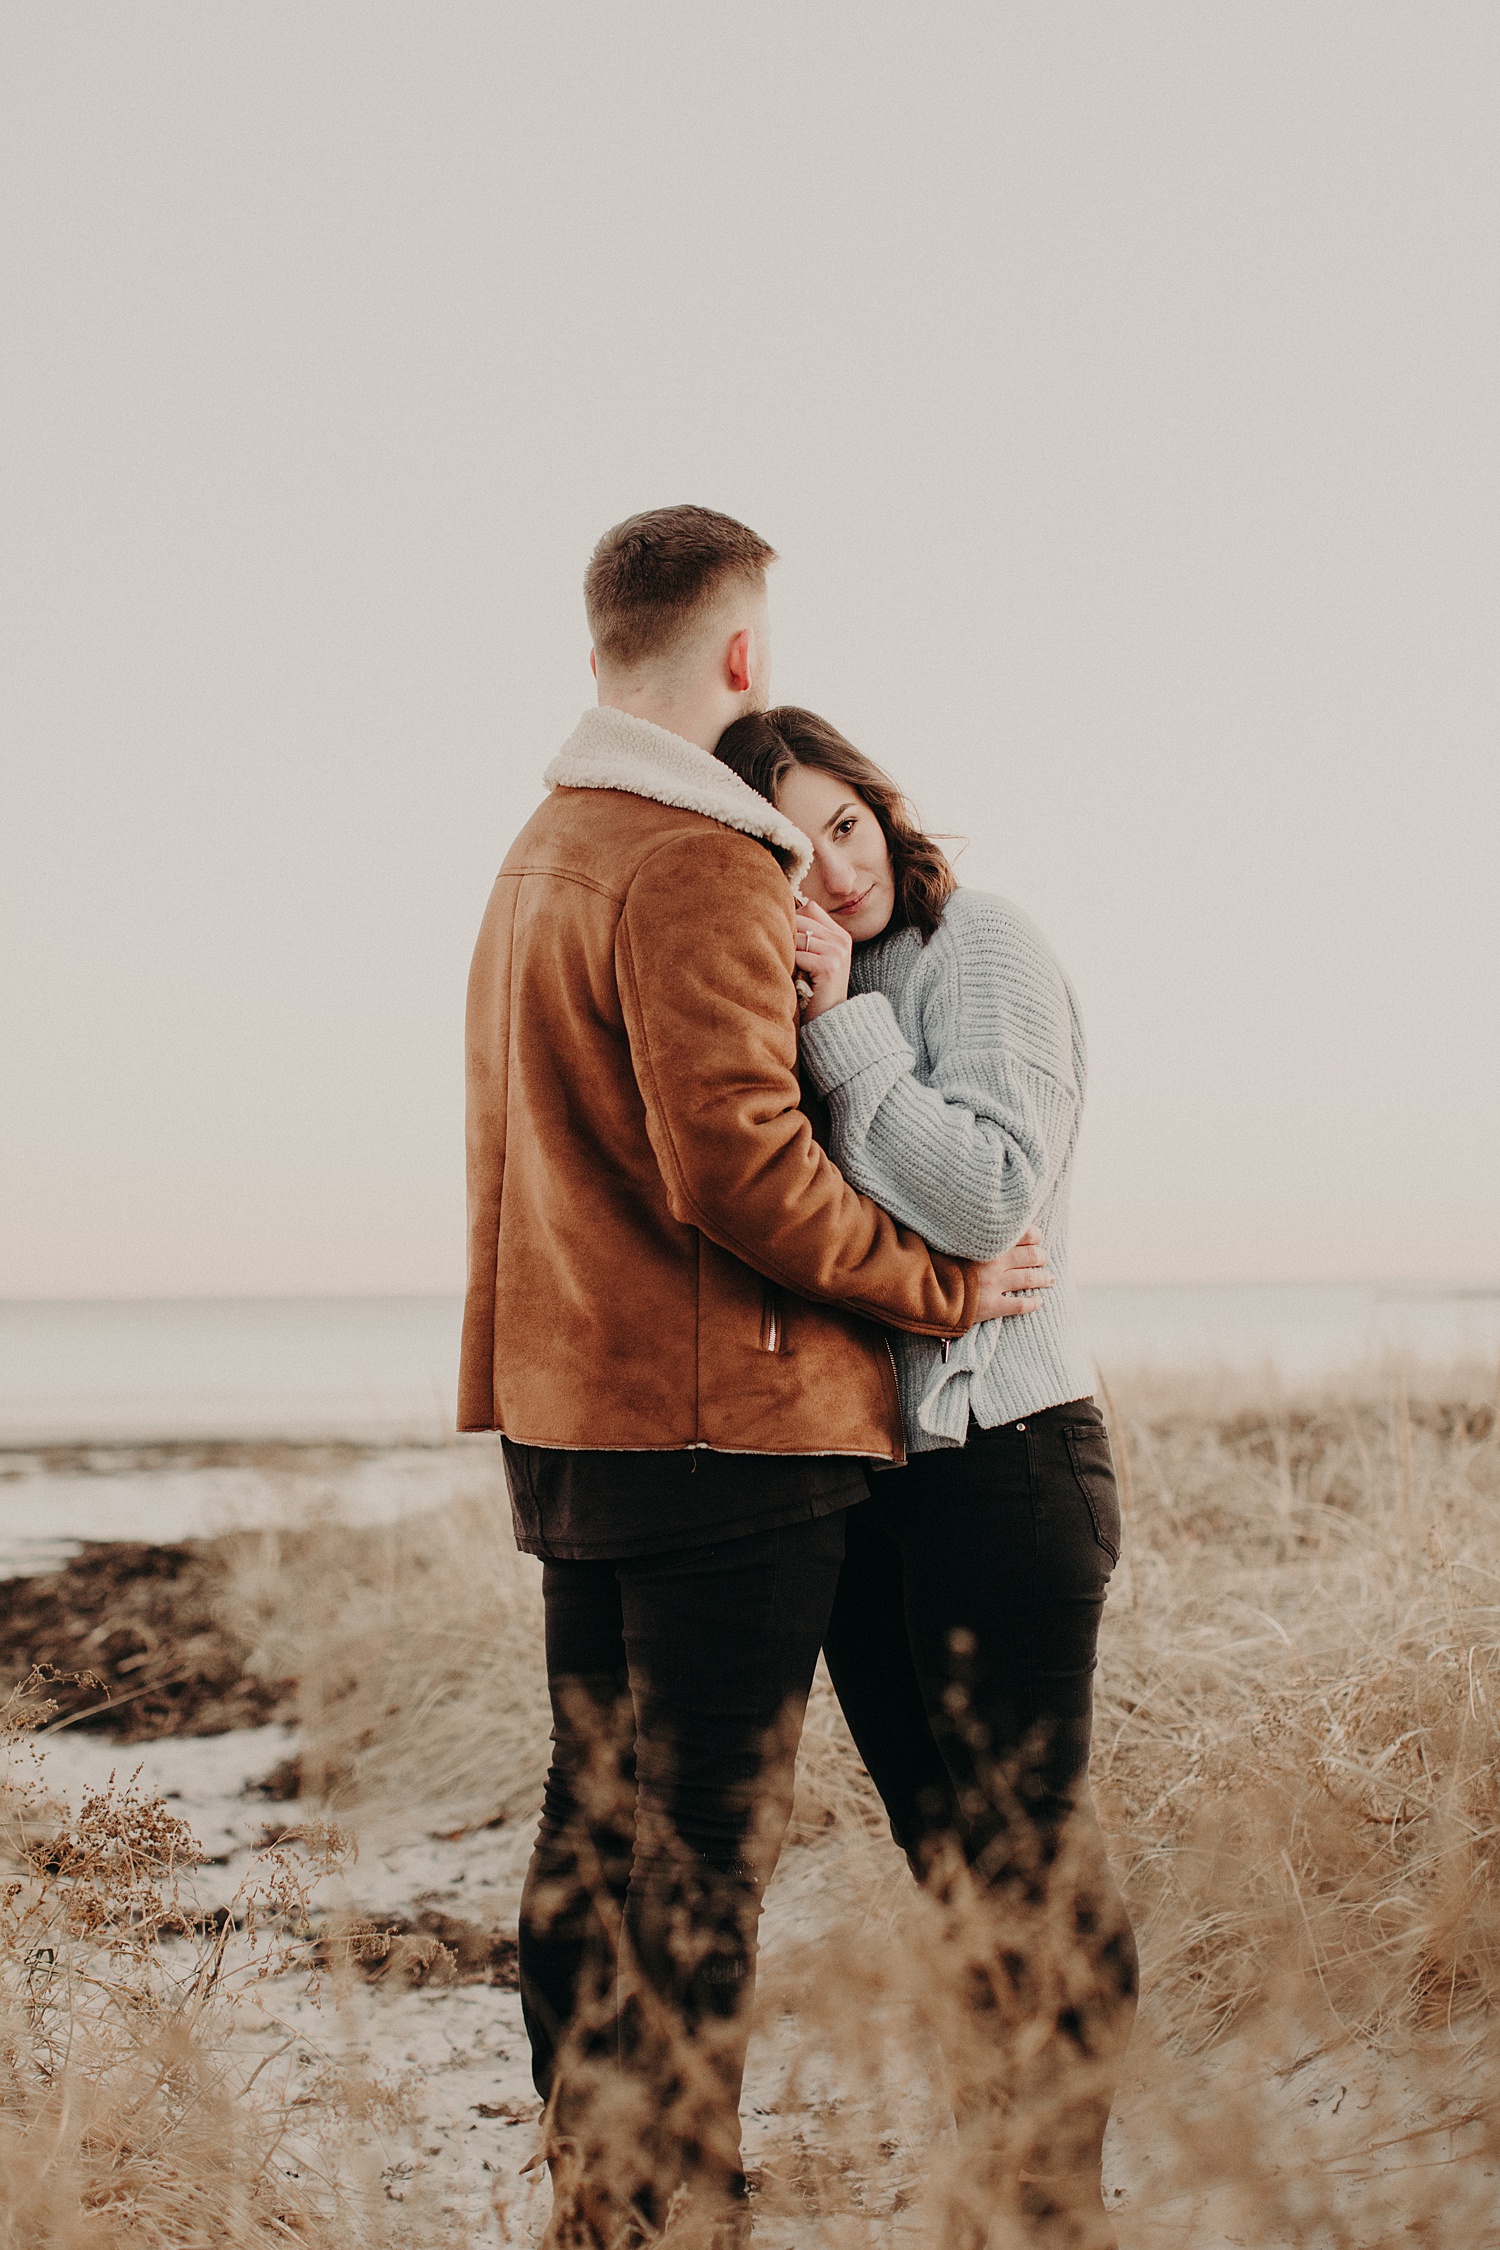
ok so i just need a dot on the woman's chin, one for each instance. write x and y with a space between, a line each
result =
870 922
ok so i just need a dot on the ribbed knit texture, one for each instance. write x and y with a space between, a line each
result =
954 1075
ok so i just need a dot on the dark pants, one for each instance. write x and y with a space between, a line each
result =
678 1686
962 1648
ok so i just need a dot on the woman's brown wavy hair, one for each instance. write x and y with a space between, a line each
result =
763 748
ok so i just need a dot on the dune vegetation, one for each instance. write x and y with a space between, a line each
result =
1297 1769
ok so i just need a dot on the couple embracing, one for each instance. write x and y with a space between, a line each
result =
770 1128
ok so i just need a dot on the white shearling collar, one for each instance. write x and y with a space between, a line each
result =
610 749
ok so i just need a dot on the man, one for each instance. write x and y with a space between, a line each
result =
671 1314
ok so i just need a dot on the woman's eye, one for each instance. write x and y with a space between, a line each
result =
844 826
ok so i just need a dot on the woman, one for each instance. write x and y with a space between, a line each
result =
946 1043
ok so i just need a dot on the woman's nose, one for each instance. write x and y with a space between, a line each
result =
837 875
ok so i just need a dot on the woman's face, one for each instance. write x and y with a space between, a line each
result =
851 876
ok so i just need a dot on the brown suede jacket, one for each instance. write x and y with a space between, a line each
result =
660 1254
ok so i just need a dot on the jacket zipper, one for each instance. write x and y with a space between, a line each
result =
770 1320
893 1394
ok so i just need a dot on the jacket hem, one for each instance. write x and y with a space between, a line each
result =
700 1445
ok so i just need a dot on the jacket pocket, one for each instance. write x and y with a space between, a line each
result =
1093 1466
770 1319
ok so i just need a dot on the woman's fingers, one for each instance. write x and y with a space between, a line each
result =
1027 1252
1005 1289
823 930
820 918
823 953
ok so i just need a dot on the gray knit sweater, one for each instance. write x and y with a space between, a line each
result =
954 1074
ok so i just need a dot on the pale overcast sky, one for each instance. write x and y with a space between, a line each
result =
1119 383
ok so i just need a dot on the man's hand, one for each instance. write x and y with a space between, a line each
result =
1013 1284
824 952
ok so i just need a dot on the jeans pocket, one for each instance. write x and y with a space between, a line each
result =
1093 1466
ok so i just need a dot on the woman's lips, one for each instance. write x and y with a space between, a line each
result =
854 904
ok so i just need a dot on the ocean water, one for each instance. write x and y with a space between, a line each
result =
163 1419
371 1369
1305 1330
377 1370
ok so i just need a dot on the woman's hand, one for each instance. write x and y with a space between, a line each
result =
824 952
1013 1284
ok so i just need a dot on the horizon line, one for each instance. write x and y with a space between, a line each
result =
1447 1288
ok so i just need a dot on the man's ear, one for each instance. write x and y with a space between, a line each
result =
594 662
737 666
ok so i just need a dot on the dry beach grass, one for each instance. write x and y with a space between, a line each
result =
1297 1767
130 2111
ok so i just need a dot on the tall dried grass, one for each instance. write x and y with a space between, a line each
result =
1296 1746
1296 1766
416 1652
132 2116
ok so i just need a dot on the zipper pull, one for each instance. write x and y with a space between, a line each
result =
947 1348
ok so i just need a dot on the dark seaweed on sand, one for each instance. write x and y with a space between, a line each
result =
146 1623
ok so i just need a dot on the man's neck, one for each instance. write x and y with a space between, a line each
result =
679 715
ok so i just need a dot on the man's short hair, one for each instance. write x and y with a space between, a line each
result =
651 575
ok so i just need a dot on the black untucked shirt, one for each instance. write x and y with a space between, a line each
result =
573 1506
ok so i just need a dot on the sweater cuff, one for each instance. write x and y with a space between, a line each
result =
845 1041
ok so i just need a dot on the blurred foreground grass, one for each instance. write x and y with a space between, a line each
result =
1296 1765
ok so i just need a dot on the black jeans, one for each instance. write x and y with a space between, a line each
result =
678 1686
962 1647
